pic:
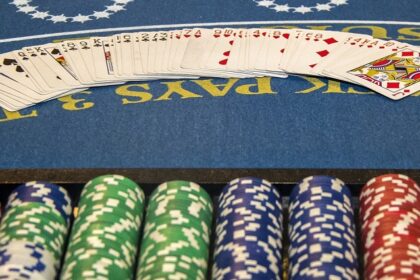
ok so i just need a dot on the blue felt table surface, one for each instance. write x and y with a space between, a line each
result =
298 122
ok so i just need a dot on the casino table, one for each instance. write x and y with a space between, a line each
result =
210 130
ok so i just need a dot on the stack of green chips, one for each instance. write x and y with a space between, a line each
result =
176 236
104 238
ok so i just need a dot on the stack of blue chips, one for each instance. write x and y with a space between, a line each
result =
33 231
248 241
322 230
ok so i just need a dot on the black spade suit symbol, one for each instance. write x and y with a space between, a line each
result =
8 61
55 51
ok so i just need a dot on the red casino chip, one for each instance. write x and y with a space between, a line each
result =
390 225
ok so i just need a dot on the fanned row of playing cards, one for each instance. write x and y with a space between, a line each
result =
39 73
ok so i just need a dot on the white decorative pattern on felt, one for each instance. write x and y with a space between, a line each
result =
327 6
26 7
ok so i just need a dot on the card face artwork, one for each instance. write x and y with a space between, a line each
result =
395 76
39 73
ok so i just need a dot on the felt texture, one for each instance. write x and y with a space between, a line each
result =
274 123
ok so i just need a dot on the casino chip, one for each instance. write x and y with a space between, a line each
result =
176 236
322 230
390 223
249 227
105 233
33 231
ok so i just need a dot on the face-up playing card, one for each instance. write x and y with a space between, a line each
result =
224 40
267 59
52 57
314 46
32 61
367 50
10 67
29 91
238 54
70 51
396 75
123 45
337 55
292 44
276 45
179 46
257 47
200 44
219 61
78 53
101 55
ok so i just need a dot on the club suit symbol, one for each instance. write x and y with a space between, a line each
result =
33 8
282 6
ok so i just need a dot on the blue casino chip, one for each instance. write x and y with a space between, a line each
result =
249 226
322 230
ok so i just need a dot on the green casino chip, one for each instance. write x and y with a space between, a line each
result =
126 250
129 222
113 200
165 233
104 238
184 262
175 242
99 266
34 209
185 208
180 186
178 194
116 256
181 221
113 180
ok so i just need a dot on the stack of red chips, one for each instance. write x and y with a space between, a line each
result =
390 218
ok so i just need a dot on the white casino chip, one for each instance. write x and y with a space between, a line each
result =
26 7
302 9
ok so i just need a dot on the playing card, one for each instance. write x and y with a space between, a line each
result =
368 49
396 75
29 92
31 61
238 54
350 44
257 43
221 51
291 45
123 46
276 44
178 49
218 63
312 48
200 44
69 49
52 57
10 67
104 69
